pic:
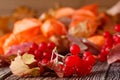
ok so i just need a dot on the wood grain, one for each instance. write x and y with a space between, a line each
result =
4 72
12 77
101 71
114 72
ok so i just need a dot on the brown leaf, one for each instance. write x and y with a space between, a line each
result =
76 40
58 70
91 46
4 61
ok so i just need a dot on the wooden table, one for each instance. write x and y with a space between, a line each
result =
101 71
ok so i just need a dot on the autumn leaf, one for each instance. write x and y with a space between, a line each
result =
114 54
20 68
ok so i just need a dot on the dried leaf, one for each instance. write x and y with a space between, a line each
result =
91 46
18 67
24 47
4 61
84 44
58 70
80 30
75 40
55 63
114 54
28 58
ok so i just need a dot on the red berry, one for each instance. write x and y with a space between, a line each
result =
106 34
38 54
90 60
105 51
83 69
80 68
74 49
86 54
72 60
33 47
47 54
109 40
45 61
116 39
68 71
51 45
42 46
117 28
87 70
103 55
102 58
30 52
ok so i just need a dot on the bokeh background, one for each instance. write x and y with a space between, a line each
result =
7 6
13 10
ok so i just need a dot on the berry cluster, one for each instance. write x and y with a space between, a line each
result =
106 47
74 64
42 52
116 37
46 55
110 41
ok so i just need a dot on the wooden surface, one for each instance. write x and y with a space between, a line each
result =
101 71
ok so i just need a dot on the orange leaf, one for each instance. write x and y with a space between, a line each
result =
91 7
64 12
26 25
97 39
38 38
11 40
53 27
2 40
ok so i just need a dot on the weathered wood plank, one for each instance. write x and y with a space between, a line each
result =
4 72
98 73
37 78
12 77
114 72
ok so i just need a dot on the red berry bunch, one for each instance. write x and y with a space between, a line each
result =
117 28
110 41
42 52
74 64
47 57
106 47
116 37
